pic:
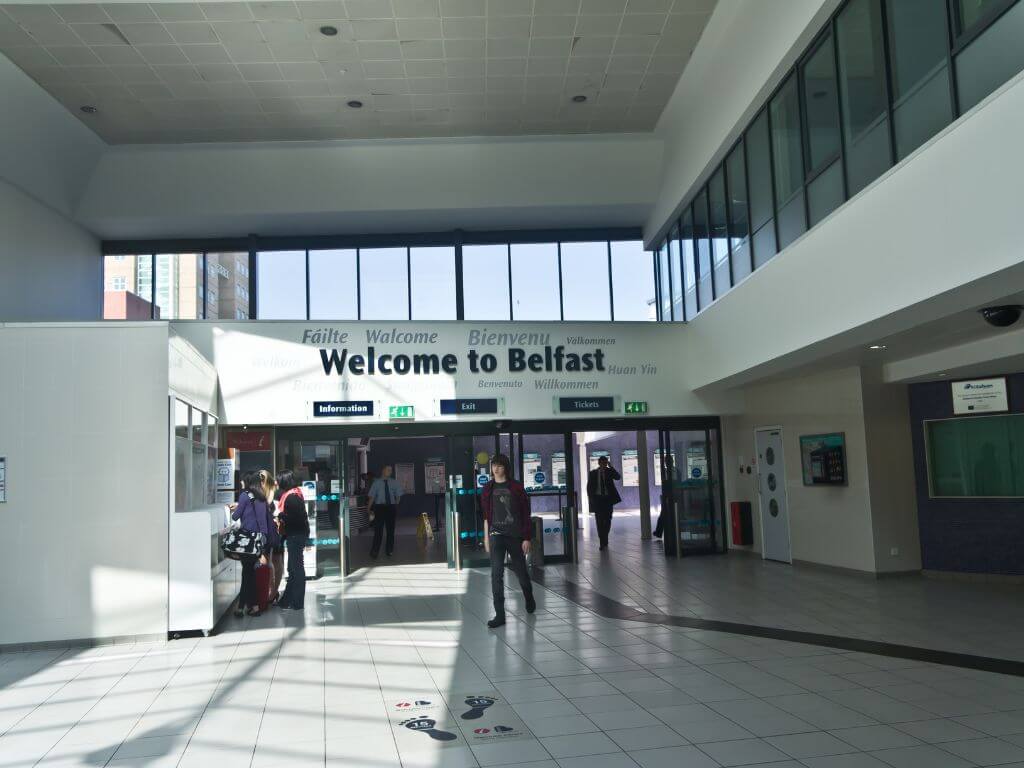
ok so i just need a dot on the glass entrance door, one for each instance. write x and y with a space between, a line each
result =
319 468
544 463
690 491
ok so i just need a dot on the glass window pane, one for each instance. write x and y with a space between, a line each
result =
786 152
485 282
674 267
125 295
739 225
179 285
333 285
689 273
665 289
384 283
863 92
719 232
705 294
585 281
918 45
791 221
971 12
764 245
740 262
632 281
759 167
281 285
535 281
822 106
992 59
227 285
433 283
825 193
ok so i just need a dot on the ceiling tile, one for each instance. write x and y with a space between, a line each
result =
376 50
30 15
119 55
219 73
99 34
74 56
506 67
623 64
554 26
270 89
668 64
369 9
145 34
150 91
226 11
238 31
177 74
552 66
283 31
344 28
468 27
598 25
309 88
248 52
380 29
466 67
593 46
457 8
162 54
293 52
546 84
274 11
422 49
416 9
206 54
178 11
550 46
419 29
91 75
81 13
129 12
465 49
31 56
11 34
335 50
387 68
635 45
643 24
132 75
302 71
648 6
466 85
603 6
382 86
557 8
260 72
322 9
510 26
507 47
426 68
54 34
192 32
510 7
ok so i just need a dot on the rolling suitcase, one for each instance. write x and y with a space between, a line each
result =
263 578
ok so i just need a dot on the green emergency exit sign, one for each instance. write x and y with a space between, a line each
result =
401 412
636 406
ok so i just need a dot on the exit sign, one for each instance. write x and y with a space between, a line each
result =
636 406
401 412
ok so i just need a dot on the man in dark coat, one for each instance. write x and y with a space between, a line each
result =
603 496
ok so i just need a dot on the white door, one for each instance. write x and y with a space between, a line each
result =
771 487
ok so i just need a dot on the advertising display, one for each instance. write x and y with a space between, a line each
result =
630 467
225 474
405 474
433 476
302 373
823 459
532 466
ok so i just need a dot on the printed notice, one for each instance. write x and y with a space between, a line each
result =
980 396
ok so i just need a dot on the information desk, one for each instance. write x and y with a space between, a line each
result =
203 583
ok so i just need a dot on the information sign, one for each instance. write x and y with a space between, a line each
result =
433 475
558 468
405 474
531 467
585 404
630 467
225 474
979 396
335 408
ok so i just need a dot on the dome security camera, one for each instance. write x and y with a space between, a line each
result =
1003 316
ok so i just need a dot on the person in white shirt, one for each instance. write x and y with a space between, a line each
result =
384 495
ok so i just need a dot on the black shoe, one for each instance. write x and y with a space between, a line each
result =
657 535
531 604
497 621
388 554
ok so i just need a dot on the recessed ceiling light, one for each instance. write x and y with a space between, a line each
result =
355 104
328 31
342 71
89 109
579 98
943 374
877 346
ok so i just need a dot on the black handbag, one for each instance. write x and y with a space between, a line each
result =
237 543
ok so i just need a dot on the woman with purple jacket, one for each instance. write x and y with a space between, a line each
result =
253 515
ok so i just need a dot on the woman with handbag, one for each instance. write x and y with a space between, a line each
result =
296 536
253 517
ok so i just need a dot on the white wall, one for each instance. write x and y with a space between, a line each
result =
84 427
746 48
372 186
50 268
44 150
829 526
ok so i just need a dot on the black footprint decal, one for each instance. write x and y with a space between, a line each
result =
426 725
478 704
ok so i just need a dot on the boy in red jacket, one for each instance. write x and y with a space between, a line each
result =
507 530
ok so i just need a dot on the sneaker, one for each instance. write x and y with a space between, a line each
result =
496 622
531 604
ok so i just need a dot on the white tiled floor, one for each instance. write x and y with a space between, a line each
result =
401 646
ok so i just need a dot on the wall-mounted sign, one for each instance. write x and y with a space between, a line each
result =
333 408
3 479
465 405
980 396
405 474
635 406
309 491
630 467
823 459
558 469
401 412
433 475
532 466
585 404
225 474
249 440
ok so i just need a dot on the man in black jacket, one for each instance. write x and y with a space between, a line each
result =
603 495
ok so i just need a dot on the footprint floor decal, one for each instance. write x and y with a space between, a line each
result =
477 705
426 725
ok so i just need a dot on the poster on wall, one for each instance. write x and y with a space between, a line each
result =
979 396
595 456
433 475
823 459
630 467
532 465
405 474
558 468
225 474
656 466
696 462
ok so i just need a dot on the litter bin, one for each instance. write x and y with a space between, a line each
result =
536 559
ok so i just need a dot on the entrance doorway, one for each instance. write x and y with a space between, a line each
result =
771 486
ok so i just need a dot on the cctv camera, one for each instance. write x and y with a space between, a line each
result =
1001 317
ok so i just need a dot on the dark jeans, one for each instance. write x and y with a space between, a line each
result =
603 514
383 518
513 546
294 594
247 594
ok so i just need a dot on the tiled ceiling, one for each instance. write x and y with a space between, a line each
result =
235 71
